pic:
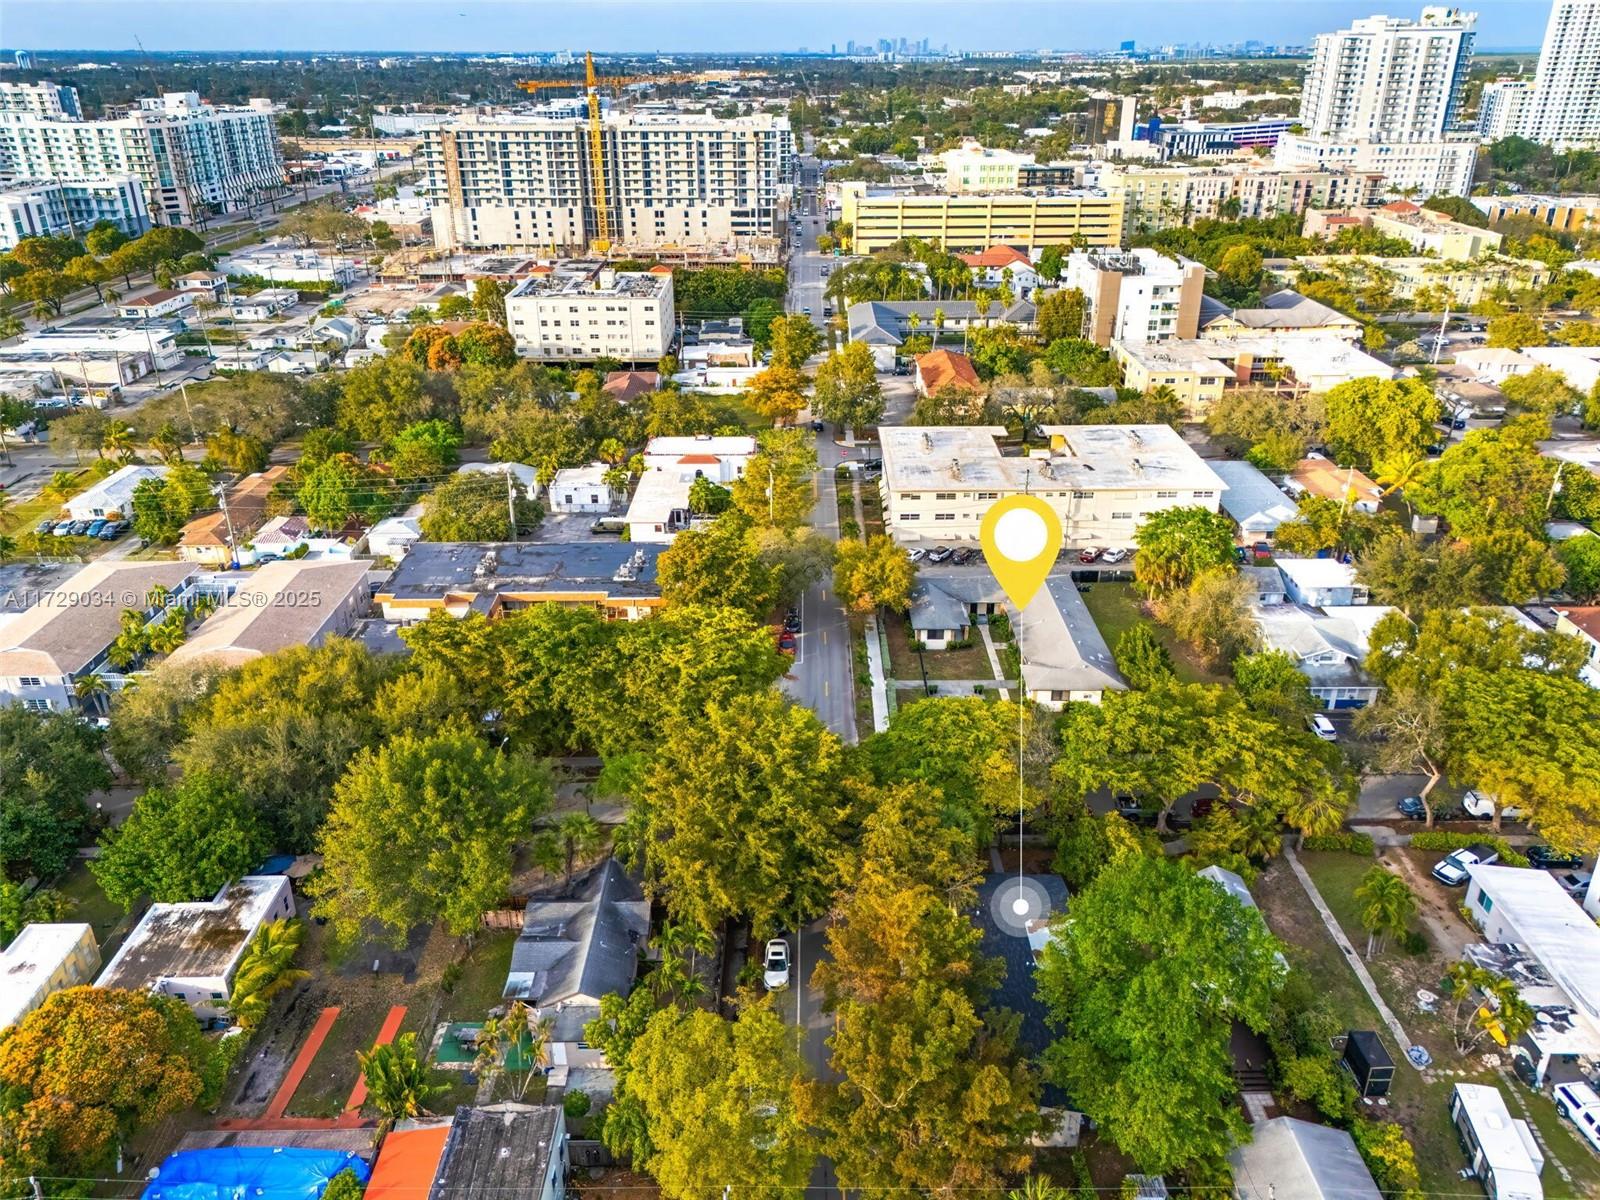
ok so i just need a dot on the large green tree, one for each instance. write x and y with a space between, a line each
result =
1177 544
717 564
477 506
847 391
741 814
49 764
182 842
423 829
1376 420
874 574
1144 984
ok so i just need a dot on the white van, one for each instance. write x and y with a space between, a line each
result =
1481 805
1580 1104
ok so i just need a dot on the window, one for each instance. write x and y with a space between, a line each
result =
944 516
31 681
988 495
1166 495
1485 901
1122 516
1083 495
910 496
911 516
944 496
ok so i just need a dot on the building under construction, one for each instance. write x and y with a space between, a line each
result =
674 185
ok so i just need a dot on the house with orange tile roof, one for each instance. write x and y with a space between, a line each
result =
1318 476
939 369
1003 264
210 538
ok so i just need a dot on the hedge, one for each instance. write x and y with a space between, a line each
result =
1347 843
1440 840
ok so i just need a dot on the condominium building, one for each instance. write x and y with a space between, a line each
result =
975 222
1386 79
1564 214
1437 168
1383 95
972 167
1503 108
1465 283
50 100
50 207
191 158
1167 195
1434 233
1564 110
1137 295
1218 139
1197 372
582 311
672 181
1102 480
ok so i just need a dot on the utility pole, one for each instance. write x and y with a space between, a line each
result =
233 547
1555 486
194 434
511 503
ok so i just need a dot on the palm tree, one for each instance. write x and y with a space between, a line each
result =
119 440
613 452
397 1080
1317 812
264 971
62 484
1034 1188
938 325
1400 472
1502 1012
157 596
580 836
1387 906
913 323
89 689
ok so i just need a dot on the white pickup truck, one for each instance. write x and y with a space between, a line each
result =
1482 805
1451 870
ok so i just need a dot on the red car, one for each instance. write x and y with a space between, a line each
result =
1088 554
1262 551
786 641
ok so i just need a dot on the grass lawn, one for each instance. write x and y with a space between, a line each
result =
24 515
89 903
863 676
1116 608
971 663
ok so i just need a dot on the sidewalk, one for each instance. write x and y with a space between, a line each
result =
880 688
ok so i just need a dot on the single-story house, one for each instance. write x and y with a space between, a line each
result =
1319 582
283 536
113 494
164 302
1290 1159
293 603
525 475
1582 621
408 1160
1541 937
659 508
264 305
884 325
190 951
630 385
1318 476
345 331
1578 365
1328 648
1267 582
1256 504
1284 314
297 362
392 537
617 578
67 632
1494 364
574 951
583 490
699 356
213 537
503 1151
1230 882
42 959
940 369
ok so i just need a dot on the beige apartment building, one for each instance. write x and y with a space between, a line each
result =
1102 480
1467 283
1162 197
976 222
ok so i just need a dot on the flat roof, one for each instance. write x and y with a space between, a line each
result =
1553 926
1089 457
201 939
31 959
589 279
280 604
432 570
496 1151
69 625
1317 572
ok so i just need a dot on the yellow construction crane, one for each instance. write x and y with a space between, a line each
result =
591 85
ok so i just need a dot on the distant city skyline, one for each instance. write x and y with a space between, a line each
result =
669 26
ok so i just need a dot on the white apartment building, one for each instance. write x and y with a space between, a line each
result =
1383 95
1137 295
50 207
1165 195
1503 108
582 311
1387 79
1564 110
192 158
42 99
1102 480
672 181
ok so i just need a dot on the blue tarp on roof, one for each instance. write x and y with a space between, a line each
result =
251 1173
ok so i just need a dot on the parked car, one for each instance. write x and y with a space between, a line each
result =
1322 727
918 554
1115 555
786 641
96 528
62 529
1241 555
1482 806
1262 551
817 427
791 621
45 526
114 530
963 556
1548 858
1451 870
1575 883
775 965
1412 808
940 554
1580 1104
1088 554
79 528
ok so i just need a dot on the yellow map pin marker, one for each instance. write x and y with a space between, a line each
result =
1021 537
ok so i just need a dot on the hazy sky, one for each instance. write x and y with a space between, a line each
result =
673 25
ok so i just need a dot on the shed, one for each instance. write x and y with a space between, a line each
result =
1367 1060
